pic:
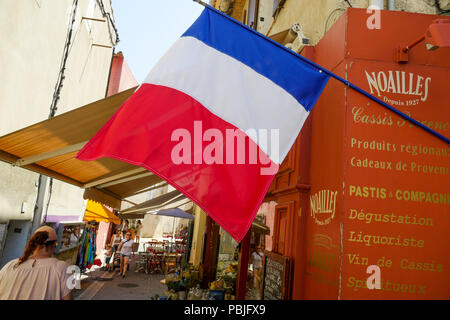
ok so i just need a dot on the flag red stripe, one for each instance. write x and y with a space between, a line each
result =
140 133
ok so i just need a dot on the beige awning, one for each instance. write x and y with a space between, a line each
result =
155 203
141 215
280 36
49 147
178 202
284 37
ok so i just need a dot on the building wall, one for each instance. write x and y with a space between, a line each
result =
267 210
33 37
316 17
265 11
198 236
121 78
424 6
331 270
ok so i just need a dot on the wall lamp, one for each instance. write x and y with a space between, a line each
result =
436 36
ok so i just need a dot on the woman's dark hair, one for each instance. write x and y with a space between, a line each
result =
38 239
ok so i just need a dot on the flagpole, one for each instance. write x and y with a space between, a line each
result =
329 73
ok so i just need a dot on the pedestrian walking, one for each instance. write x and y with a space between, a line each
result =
257 257
36 275
125 249
124 226
116 239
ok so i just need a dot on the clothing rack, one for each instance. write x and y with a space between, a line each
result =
86 252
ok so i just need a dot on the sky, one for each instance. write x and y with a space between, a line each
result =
148 28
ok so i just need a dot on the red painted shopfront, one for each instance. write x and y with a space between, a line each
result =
361 186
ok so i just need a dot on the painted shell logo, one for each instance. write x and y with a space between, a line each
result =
323 206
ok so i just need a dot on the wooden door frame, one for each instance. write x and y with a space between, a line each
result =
290 208
211 249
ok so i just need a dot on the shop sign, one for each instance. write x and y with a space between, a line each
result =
323 206
397 183
322 260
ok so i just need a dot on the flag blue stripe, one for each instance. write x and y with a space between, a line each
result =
302 81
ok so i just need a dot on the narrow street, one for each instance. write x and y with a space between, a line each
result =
103 285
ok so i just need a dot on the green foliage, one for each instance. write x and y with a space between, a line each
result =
174 285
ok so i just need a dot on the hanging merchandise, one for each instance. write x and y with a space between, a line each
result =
86 253
92 247
82 248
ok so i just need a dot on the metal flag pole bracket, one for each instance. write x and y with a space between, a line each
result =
330 74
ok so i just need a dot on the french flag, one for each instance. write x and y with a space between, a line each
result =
215 118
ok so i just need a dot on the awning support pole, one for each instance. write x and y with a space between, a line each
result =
112 178
50 154
119 181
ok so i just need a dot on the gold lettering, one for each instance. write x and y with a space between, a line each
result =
391 218
407 264
368 240
387 285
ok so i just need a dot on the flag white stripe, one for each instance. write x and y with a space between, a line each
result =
231 90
